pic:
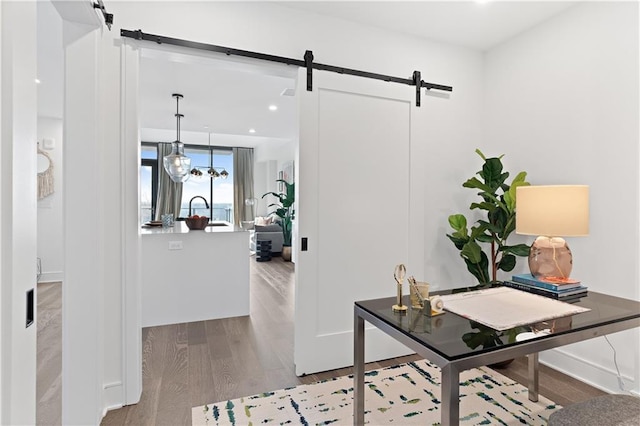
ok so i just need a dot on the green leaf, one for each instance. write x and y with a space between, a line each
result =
507 263
509 200
472 251
475 270
492 173
476 232
487 338
479 270
502 179
518 250
455 239
459 223
279 196
474 182
484 238
490 227
481 154
499 218
485 205
510 197
458 242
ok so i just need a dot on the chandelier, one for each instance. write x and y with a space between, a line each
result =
177 164
213 172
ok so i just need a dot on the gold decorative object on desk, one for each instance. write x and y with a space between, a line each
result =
420 300
418 292
398 274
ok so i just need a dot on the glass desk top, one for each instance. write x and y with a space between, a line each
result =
455 337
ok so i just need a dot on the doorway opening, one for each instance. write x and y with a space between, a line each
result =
227 104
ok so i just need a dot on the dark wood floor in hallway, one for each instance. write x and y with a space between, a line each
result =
186 365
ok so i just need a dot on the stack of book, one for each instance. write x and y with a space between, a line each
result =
565 290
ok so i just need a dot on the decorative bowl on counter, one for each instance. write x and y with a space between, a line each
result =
197 222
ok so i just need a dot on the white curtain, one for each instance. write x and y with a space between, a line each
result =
242 183
169 192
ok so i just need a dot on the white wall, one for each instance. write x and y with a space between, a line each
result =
264 175
281 150
269 159
562 101
50 243
50 104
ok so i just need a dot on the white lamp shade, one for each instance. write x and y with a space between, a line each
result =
552 210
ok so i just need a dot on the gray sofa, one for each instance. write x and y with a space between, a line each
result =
271 232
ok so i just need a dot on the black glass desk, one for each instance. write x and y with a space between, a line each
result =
455 343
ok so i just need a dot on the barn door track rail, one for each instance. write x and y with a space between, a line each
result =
306 62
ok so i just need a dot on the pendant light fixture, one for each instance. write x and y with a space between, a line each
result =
213 172
176 164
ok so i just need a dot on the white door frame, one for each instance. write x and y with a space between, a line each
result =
18 210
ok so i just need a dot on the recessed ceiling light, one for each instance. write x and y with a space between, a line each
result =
273 107
252 130
37 81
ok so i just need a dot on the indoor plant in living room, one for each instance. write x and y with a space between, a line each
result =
285 211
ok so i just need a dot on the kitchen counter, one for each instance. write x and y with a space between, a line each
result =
180 227
194 275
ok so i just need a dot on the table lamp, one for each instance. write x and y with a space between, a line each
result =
552 212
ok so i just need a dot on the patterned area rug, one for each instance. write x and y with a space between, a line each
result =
407 394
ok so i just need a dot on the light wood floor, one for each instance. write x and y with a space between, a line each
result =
49 354
186 365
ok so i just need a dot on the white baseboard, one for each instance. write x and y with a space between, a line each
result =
586 371
378 346
48 277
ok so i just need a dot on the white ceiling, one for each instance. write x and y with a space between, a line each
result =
221 96
231 95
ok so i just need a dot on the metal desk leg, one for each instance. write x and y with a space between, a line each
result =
450 396
358 369
533 377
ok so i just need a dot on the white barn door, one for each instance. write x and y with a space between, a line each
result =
356 208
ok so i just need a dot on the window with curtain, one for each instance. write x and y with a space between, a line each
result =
219 192
148 182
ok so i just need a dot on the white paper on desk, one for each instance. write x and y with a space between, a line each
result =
503 308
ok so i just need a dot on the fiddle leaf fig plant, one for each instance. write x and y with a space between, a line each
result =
284 209
498 204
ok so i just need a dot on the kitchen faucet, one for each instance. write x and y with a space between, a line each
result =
197 196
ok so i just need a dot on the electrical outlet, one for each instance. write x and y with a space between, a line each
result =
175 245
